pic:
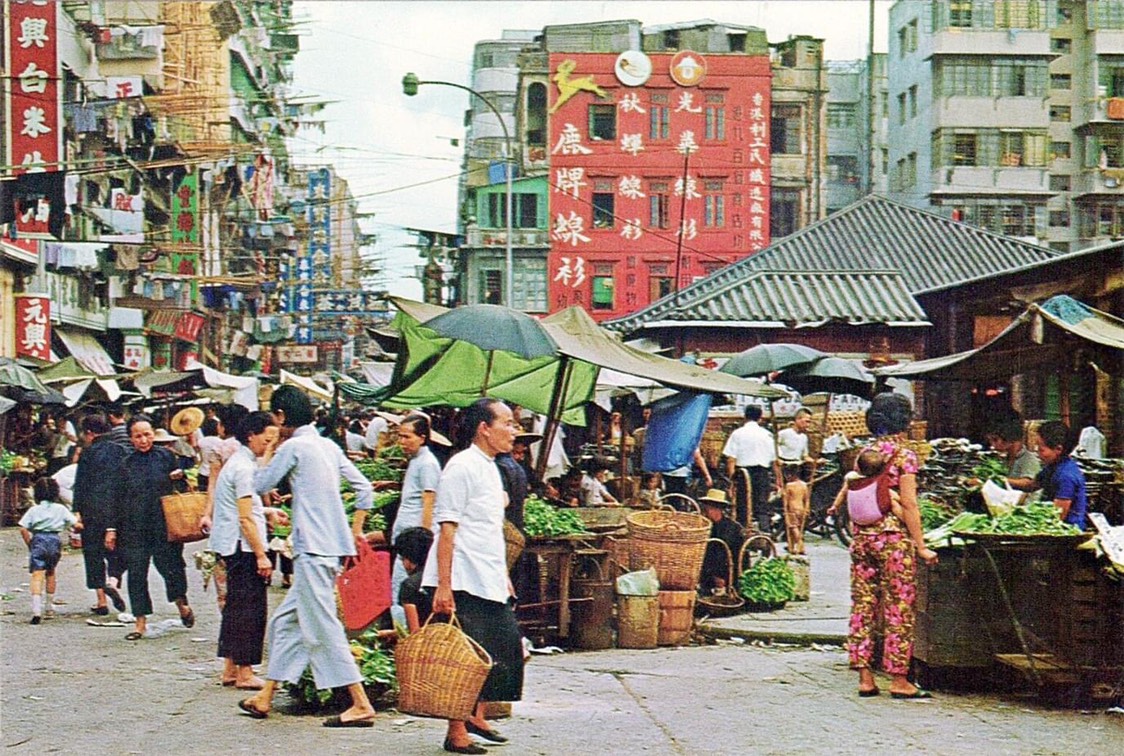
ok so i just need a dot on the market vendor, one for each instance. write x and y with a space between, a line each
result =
1006 437
1060 480
716 564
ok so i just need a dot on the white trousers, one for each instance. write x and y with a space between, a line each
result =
305 629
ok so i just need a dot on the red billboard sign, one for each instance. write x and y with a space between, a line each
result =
33 106
33 326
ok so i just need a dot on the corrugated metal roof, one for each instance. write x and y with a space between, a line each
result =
874 235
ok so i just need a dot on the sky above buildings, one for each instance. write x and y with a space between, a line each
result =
396 151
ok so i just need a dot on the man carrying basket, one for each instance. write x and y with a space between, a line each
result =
468 566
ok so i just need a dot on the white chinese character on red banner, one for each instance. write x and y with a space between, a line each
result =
570 142
35 122
687 103
569 229
755 156
692 187
34 32
632 143
569 181
690 229
632 229
34 338
687 143
34 162
33 79
630 103
756 176
571 276
629 186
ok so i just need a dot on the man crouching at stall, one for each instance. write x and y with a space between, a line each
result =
305 630
470 568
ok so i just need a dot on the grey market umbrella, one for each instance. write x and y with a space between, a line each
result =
21 384
831 375
769 358
493 327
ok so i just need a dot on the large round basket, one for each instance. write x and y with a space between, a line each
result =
663 525
440 671
728 602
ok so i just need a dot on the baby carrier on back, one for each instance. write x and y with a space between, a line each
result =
868 499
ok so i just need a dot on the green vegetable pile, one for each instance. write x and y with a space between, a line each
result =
769 581
1038 519
391 453
933 513
379 469
542 520
376 665
991 468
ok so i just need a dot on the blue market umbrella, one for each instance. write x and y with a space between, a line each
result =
770 358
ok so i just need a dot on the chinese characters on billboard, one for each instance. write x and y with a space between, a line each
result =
33 326
650 154
34 129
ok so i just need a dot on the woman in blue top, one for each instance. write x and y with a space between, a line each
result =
1060 479
419 487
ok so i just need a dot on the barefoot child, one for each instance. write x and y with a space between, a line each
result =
41 528
797 499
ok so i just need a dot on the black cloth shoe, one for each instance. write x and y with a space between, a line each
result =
101 611
491 735
470 748
115 597
36 619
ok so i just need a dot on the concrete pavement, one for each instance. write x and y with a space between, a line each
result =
68 687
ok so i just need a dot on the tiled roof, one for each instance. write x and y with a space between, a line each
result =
799 298
875 235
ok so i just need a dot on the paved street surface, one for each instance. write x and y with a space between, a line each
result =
72 688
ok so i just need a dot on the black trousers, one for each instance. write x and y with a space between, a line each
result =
168 558
99 560
493 626
242 633
761 485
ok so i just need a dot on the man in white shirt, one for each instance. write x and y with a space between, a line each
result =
467 563
751 448
375 428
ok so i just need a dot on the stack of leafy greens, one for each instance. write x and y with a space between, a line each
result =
376 664
541 520
1037 519
769 581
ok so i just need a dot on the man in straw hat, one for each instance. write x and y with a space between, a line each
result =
715 567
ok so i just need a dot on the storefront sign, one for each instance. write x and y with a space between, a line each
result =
185 211
33 326
688 68
188 327
135 354
34 96
302 354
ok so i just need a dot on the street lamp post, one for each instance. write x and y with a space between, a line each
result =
410 84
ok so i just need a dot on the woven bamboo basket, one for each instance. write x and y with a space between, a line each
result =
664 525
440 671
514 543
727 603
182 513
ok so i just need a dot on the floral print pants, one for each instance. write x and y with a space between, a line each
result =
883 590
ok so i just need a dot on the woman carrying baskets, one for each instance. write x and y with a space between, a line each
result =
468 563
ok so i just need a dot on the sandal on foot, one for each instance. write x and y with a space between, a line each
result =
869 692
101 611
228 683
487 734
252 710
337 722
452 747
917 694
115 597
134 636
188 619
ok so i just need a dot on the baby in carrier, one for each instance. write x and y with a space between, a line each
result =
867 492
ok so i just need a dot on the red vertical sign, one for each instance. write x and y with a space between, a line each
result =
33 106
33 326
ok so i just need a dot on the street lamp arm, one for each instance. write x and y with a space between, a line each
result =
482 98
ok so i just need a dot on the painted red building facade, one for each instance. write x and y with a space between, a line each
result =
643 148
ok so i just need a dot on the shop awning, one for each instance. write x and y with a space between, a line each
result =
307 385
87 351
162 322
1043 337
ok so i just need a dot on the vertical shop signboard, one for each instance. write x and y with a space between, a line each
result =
33 326
185 211
33 96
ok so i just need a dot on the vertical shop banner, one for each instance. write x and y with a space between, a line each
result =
33 326
185 211
33 98
320 226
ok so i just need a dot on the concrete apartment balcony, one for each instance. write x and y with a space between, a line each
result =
1007 42
1108 112
1105 182
495 80
497 237
962 112
793 167
1106 42
969 179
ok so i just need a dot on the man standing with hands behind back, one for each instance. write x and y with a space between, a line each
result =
305 629
751 448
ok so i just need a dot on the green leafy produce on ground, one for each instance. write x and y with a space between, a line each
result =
543 520
769 581
376 665
392 452
380 469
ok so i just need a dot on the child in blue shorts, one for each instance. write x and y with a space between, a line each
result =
41 528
